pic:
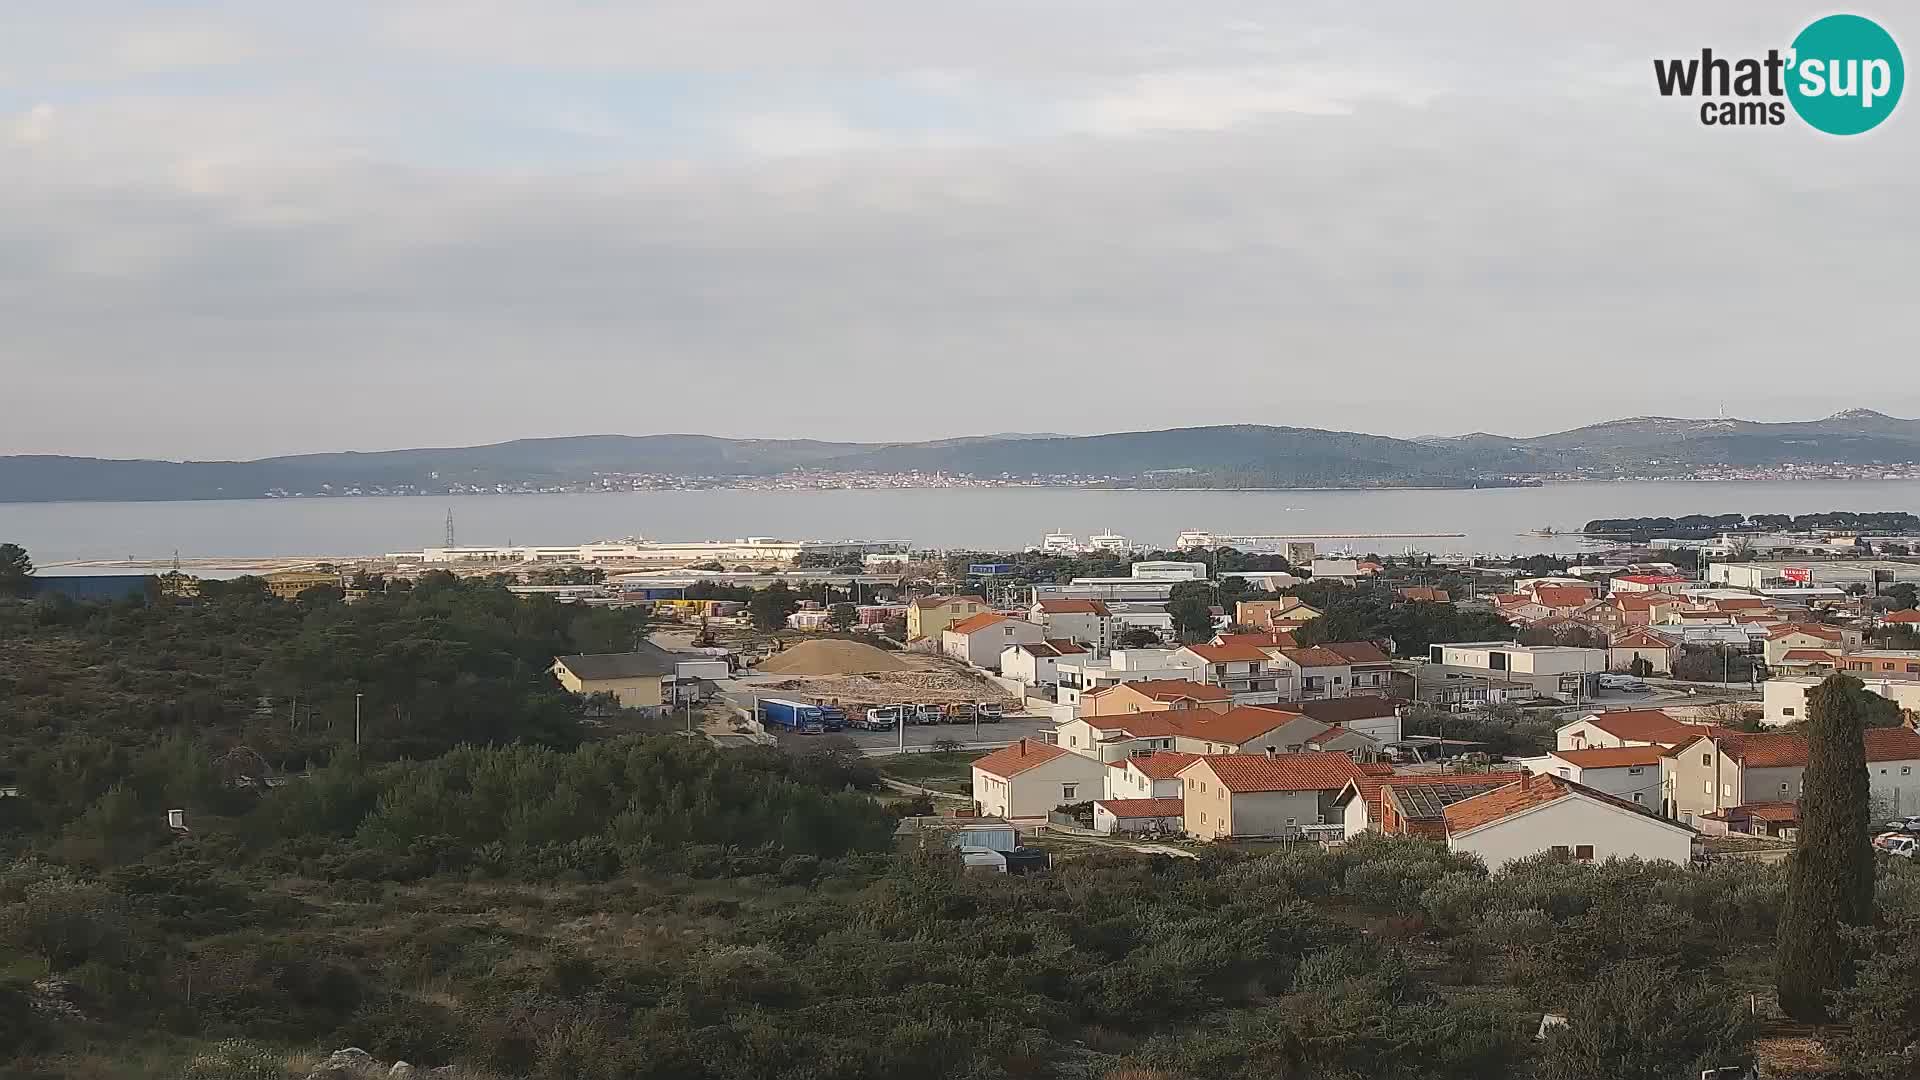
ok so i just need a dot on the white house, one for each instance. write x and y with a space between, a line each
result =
1784 698
1629 649
1081 674
981 639
1029 778
1036 663
1632 773
1138 815
1624 727
1089 622
1148 776
1550 813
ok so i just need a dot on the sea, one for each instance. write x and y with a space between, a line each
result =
1488 520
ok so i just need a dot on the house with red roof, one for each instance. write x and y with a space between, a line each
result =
1424 594
1089 622
1642 608
927 616
1316 671
1910 618
1247 795
1139 816
1154 775
1249 672
979 640
1790 636
1370 669
1028 779
1645 583
1548 813
1808 662
1035 663
1410 804
1623 727
1626 651
1633 773
1716 771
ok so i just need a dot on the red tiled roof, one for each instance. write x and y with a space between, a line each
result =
1143 808
1641 724
1630 601
1316 656
1509 599
1372 783
1073 607
1612 757
1825 633
1376 768
1241 773
1010 761
1168 690
1908 616
1741 603
1423 593
1812 656
1344 710
1652 579
1357 652
1227 654
1163 764
1051 647
1562 596
1642 639
975 623
1233 726
1525 794
1785 749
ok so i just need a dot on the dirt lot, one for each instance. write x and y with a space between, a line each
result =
927 680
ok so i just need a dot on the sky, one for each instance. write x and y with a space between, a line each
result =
261 227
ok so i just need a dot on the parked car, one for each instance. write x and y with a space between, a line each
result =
1905 825
1629 683
1898 845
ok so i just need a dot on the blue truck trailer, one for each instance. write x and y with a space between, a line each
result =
796 716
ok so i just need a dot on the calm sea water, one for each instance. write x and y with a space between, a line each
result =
1494 520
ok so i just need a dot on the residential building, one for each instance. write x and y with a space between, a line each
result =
1535 814
1645 583
1203 731
1624 727
1370 670
1310 673
289 584
1632 773
1263 614
1084 674
1265 639
1377 718
1642 608
1155 695
1782 639
1148 776
1028 779
1411 804
1088 622
1248 672
1816 662
1625 652
637 679
1909 618
1034 663
1882 664
1716 772
1783 698
928 616
1423 594
1243 795
980 639
1558 671
1139 816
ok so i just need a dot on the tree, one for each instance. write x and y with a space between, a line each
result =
771 606
1191 605
1643 1021
843 616
1830 876
1905 595
1137 637
15 570
1640 668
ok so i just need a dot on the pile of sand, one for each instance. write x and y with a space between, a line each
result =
831 656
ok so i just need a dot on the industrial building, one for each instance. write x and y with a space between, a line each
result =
1832 573
756 550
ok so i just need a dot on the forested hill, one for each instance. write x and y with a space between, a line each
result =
1230 456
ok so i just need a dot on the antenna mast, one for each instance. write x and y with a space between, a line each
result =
450 526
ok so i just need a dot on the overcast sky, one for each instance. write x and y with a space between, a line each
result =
238 229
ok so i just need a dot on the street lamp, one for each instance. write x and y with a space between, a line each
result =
357 695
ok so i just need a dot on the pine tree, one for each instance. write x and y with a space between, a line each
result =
1830 877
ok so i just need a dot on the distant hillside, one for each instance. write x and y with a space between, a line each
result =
1235 456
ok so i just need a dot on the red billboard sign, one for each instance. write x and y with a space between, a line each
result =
1801 574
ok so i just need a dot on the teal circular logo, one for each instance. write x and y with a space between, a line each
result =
1846 75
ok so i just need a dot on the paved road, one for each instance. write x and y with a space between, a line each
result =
989 737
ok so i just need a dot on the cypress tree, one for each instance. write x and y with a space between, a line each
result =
1830 877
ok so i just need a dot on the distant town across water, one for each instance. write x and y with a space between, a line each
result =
1521 520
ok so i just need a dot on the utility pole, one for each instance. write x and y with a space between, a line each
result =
356 717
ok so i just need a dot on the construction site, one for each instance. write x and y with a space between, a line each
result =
859 675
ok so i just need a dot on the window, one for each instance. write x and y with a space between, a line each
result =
1068 791
1786 712
1636 796
1583 852
1783 785
1707 787
1726 791
1203 817
1706 759
1636 770
1073 740
1568 773
1559 849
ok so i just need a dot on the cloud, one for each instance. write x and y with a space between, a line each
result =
915 219
179 48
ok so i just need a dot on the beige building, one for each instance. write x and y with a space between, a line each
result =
927 616
1153 695
1263 614
1262 794
979 640
1624 651
1782 639
1028 779
289 584
1713 773
637 680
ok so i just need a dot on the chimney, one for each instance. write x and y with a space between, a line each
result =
1271 752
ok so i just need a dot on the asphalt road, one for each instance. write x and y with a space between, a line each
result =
988 736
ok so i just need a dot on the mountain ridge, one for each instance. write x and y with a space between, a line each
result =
1227 455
